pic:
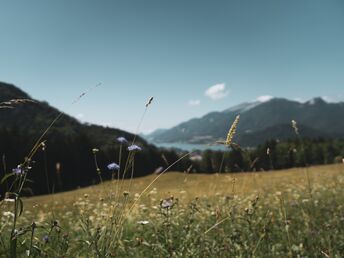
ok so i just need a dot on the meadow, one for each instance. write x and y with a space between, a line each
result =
287 213
291 213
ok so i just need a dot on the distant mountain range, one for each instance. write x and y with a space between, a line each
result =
260 121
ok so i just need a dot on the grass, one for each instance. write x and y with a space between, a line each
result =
265 214
190 186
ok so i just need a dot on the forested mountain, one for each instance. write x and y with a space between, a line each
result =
68 143
261 121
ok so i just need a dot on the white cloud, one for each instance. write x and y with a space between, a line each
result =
194 102
264 98
217 91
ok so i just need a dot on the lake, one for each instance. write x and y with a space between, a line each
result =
190 146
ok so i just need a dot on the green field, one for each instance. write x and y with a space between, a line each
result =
289 213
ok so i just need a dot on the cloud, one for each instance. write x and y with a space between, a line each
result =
217 91
194 102
264 98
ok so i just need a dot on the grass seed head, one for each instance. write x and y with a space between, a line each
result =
294 125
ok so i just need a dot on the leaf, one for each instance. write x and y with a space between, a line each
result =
21 206
6 177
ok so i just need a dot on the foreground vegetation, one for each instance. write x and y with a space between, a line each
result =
295 213
266 214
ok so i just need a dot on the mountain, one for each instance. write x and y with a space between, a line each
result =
156 133
260 121
69 143
34 118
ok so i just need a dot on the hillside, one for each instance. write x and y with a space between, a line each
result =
69 143
245 211
260 121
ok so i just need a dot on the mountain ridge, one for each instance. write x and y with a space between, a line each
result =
317 117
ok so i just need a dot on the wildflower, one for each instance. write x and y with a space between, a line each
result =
166 203
143 222
294 125
134 148
45 239
8 214
95 150
43 145
113 166
121 140
18 170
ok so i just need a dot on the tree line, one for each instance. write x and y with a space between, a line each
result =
67 161
273 155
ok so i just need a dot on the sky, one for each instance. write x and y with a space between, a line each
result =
194 57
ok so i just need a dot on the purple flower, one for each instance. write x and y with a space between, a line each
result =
167 203
18 170
45 239
122 140
113 166
134 148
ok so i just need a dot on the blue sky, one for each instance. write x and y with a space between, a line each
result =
172 50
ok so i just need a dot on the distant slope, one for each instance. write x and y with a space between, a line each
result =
69 142
34 118
260 121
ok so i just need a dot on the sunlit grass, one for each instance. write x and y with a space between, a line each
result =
263 214
189 186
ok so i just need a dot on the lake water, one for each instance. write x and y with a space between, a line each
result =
190 147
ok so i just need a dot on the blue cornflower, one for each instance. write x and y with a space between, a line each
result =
45 239
113 166
134 148
122 140
18 170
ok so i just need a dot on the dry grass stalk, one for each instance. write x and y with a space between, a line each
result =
13 102
231 132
